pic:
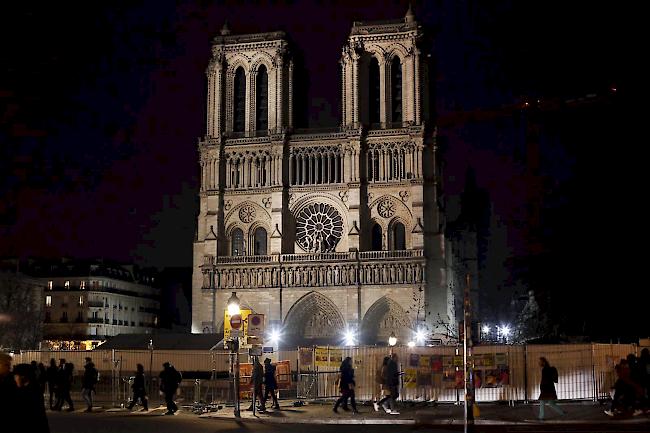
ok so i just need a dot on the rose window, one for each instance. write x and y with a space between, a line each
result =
319 228
247 214
386 208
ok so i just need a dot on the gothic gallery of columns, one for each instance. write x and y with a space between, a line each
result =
323 232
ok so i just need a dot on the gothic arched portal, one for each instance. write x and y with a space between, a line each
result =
384 317
313 319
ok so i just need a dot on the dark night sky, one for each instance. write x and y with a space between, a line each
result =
101 104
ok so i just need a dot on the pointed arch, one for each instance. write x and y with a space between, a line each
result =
397 236
384 317
239 100
313 319
396 89
376 237
262 98
374 94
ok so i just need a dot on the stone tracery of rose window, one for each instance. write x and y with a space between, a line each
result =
319 228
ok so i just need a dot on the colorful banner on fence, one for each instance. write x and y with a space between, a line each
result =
306 358
328 357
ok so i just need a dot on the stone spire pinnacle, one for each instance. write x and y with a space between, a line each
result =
410 16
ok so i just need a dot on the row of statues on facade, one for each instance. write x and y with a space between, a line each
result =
314 276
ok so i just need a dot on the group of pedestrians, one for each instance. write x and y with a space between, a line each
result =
22 407
266 377
631 393
387 379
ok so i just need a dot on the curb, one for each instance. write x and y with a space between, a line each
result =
422 422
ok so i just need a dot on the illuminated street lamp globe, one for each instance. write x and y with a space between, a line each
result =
233 305
392 340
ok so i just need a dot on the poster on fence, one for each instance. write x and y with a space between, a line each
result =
336 357
458 361
306 357
485 360
478 378
501 358
424 371
414 360
410 378
321 355
460 380
449 378
436 363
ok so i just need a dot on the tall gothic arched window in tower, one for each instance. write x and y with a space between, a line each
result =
259 241
373 91
398 237
396 90
237 242
239 101
376 237
262 99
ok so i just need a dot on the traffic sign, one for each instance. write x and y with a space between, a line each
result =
256 325
236 321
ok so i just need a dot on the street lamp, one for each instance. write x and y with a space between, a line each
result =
392 340
233 305
233 310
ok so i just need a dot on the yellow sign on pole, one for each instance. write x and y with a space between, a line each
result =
244 328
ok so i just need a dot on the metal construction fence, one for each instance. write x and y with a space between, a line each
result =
503 372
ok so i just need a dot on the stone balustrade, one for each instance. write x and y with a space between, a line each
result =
318 270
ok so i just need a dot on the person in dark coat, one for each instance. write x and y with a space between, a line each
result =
63 385
42 377
8 391
391 385
270 385
139 389
547 394
51 375
170 379
88 382
346 386
29 404
257 379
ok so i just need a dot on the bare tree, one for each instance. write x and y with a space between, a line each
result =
21 312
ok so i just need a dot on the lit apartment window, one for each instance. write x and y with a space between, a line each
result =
49 285
82 286
67 285
81 300
48 301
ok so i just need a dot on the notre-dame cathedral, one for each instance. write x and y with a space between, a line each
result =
323 232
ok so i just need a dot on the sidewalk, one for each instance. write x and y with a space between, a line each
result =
423 414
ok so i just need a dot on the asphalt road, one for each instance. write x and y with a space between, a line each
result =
122 422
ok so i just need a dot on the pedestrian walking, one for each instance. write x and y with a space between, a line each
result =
29 404
391 386
51 375
7 395
257 379
270 385
170 379
547 394
346 386
41 377
379 383
139 389
63 385
88 382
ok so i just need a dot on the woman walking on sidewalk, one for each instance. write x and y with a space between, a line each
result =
547 395
347 387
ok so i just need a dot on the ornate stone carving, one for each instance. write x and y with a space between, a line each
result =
267 201
386 208
227 204
344 196
404 195
319 228
247 214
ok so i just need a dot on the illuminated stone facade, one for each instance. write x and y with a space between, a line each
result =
324 232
